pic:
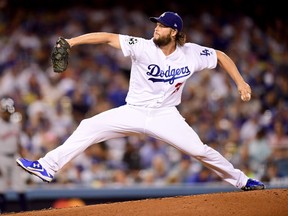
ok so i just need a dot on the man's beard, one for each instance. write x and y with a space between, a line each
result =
162 41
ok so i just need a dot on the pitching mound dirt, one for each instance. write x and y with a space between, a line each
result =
270 202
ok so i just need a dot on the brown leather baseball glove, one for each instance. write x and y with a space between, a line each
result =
60 55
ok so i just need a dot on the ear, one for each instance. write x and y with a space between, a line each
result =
174 32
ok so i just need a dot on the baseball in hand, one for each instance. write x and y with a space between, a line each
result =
246 97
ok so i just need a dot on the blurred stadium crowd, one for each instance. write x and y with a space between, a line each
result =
253 135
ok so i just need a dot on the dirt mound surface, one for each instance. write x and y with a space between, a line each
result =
272 202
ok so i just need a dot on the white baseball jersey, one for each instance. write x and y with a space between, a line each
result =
157 80
9 134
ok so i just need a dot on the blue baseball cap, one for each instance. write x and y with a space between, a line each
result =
169 19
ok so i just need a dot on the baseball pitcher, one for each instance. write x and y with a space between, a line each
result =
160 68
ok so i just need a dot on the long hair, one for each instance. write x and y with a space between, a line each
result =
180 38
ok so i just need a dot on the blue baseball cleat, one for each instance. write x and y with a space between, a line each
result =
35 168
253 184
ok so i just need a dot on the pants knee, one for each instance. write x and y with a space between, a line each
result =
200 152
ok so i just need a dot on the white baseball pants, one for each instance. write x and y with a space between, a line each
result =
165 124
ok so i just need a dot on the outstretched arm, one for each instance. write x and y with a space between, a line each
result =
228 65
96 38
